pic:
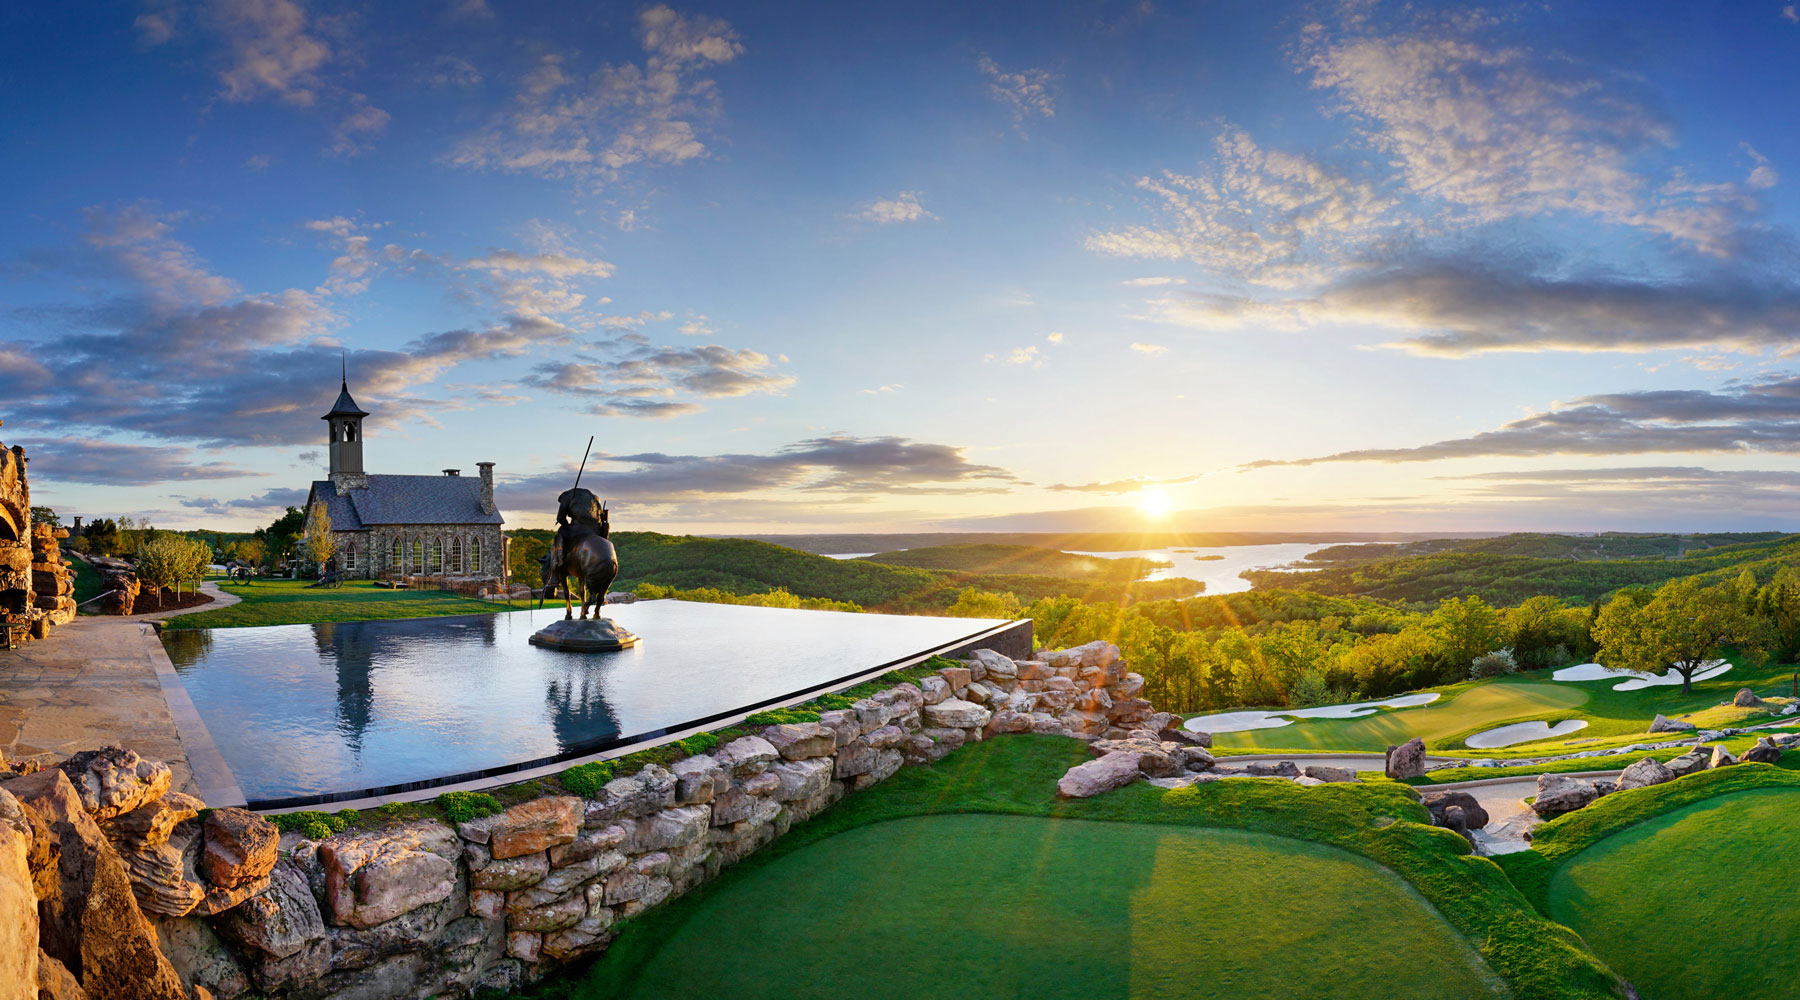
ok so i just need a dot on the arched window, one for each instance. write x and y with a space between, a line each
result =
437 555
350 556
475 555
394 557
456 563
418 556
349 432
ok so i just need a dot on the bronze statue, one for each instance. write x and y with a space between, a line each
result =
582 549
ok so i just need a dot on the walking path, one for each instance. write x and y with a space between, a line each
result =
106 681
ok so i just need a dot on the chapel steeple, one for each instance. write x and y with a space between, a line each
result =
346 434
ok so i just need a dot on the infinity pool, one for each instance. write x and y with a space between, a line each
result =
305 713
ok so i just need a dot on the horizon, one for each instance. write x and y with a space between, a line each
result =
1354 268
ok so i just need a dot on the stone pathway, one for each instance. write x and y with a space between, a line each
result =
106 681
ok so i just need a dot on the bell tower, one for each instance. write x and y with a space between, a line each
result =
346 441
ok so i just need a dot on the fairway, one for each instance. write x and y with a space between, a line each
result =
1018 906
292 602
1723 863
1476 707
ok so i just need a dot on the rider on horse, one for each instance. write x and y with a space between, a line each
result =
580 548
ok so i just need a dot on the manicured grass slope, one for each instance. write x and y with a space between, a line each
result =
1476 706
289 602
1016 775
1068 909
1728 862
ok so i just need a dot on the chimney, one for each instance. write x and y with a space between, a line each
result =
487 486
75 532
452 472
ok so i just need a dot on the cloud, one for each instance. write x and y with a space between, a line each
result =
882 389
839 465
1150 349
271 501
1456 308
629 376
107 463
1117 486
1741 418
1265 216
903 207
1054 337
1763 175
1153 282
450 71
355 129
270 50
353 269
1028 355
1026 94
564 123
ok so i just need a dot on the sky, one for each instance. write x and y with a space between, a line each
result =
810 267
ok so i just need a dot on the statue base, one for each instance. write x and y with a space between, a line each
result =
584 635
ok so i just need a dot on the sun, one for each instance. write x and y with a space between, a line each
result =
1154 503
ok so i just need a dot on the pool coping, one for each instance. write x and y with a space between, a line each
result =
218 787
219 774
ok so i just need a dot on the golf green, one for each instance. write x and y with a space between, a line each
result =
1722 869
1019 906
1481 706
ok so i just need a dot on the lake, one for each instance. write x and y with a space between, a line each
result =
1221 574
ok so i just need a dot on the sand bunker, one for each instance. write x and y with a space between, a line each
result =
1523 732
1596 672
1238 722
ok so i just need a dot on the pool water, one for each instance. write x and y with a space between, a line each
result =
307 711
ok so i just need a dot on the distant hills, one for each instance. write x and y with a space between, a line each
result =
1112 541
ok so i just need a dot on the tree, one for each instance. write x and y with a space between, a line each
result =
44 515
102 537
1779 605
320 545
1681 626
278 538
524 555
1464 629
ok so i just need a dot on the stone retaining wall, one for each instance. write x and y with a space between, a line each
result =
425 909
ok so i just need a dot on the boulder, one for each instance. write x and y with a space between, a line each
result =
1644 773
1662 724
534 826
801 779
279 921
957 677
165 877
1746 698
955 713
54 982
113 780
151 824
987 663
511 873
671 828
1190 758
935 689
1406 760
1721 757
1469 809
1115 770
805 740
746 755
1690 762
19 964
201 957
374 877
843 724
634 795
89 919
1327 773
1176 734
240 847
1279 769
1764 752
1559 793
699 778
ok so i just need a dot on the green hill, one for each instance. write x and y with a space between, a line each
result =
1027 559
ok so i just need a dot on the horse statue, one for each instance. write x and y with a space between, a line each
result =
581 551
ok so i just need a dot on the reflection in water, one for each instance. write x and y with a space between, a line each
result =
578 707
351 650
187 647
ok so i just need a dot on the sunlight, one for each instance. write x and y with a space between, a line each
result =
1154 503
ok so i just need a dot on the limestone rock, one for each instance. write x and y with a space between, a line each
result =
54 982
843 724
1746 698
958 678
1326 773
1764 752
698 779
991 664
1406 760
746 755
1688 763
534 826
510 873
1559 793
935 689
805 740
18 904
240 847
1721 757
1644 773
634 795
152 823
279 921
200 957
1662 724
589 843
164 877
676 827
1176 734
801 779
113 780
1473 816
90 920
956 714
1279 769
1085 780
374 877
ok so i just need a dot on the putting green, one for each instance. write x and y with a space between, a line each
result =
1478 707
1016 906
1721 868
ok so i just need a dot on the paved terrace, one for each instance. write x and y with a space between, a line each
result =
106 681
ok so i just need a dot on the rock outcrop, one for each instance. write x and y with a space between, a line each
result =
19 970
1406 760
36 590
1746 698
1662 724
1560 793
1764 752
1470 811
1645 773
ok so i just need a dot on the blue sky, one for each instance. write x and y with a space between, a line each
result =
845 267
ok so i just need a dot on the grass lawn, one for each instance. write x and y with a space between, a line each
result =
1613 717
87 584
1133 888
1727 862
1068 909
289 602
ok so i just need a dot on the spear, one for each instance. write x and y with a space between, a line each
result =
584 457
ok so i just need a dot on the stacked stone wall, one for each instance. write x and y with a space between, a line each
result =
36 589
375 549
428 909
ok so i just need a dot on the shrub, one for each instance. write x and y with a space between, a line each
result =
698 743
309 824
461 807
344 819
1495 664
586 780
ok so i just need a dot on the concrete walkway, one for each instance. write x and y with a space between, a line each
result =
106 681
